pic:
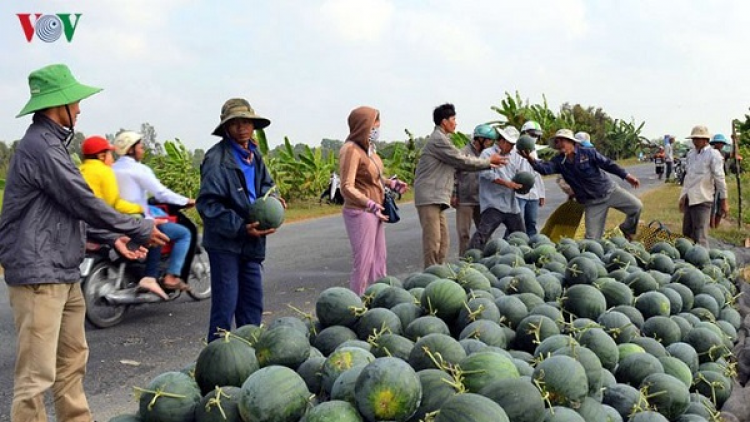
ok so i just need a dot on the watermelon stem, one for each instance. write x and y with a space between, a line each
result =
305 315
157 393
273 188
216 401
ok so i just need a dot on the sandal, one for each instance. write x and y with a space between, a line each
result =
149 284
178 285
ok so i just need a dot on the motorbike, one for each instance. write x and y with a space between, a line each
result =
679 170
659 163
110 282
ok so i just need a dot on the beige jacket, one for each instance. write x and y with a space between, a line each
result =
360 170
440 159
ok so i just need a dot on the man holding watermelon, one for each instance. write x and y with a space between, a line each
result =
585 170
41 247
497 191
234 176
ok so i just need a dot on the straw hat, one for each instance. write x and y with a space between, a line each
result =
699 132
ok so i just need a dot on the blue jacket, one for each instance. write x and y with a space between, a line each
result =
585 174
224 205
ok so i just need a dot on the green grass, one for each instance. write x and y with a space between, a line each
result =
661 204
312 208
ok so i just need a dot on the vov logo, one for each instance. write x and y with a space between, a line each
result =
49 28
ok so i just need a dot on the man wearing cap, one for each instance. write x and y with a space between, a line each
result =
41 246
704 178
497 191
583 169
433 182
137 182
233 176
97 172
466 188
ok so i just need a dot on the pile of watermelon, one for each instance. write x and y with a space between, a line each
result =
524 331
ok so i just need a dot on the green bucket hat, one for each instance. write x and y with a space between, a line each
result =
239 108
53 86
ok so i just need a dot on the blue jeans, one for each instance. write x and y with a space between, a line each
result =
178 234
529 213
236 292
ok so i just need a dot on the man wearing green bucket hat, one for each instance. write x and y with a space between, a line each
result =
41 247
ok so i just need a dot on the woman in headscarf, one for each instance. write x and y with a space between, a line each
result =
363 188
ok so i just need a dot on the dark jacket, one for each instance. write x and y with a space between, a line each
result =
224 205
45 206
585 174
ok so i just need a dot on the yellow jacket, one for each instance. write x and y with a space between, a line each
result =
101 179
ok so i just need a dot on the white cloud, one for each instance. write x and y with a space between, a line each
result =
357 20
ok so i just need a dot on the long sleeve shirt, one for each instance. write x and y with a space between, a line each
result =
493 195
137 180
704 176
584 172
103 182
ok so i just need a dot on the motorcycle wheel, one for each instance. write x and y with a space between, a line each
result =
101 281
199 279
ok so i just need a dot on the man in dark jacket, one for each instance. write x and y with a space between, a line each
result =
584 170
233 176
41 247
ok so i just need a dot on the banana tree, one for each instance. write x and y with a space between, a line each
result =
175 168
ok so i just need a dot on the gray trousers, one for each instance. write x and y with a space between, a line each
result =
619 199
490 221
695 222
465 215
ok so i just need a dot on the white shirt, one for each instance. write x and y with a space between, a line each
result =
668 152
537 191
704 175
136 181
492 195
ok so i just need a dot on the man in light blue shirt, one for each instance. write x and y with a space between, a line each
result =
497 191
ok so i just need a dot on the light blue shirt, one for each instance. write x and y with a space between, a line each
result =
136 181
492 195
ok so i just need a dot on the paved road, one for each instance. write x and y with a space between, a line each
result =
303 259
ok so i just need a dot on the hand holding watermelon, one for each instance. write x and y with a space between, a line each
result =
266 215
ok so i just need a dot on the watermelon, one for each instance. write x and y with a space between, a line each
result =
311 372
390 297
563 378
340 361
581 270
443 298
482 368
282 345
520 399
343 387
532 330
407 313
422 326
331 337
274 393
470 407
437 388
177 405
525 143
486 331
268 211
440 347
375 321
392 345
668 395
388 389
219 405
334 410
336 306
624 399
635 367
227 361
526 180
584 301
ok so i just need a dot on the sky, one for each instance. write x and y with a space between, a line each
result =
306 64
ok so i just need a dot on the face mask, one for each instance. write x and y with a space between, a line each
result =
374 134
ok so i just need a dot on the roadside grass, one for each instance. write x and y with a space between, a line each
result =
660 204
632 161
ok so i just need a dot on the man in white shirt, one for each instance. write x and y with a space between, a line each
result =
669 157
136 181
704 177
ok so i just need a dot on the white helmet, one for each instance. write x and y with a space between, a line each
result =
533 128
125 141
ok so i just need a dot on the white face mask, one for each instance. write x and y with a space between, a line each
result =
374 134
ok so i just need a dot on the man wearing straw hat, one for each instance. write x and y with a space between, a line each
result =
704 178
233 176
41 246
584 170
